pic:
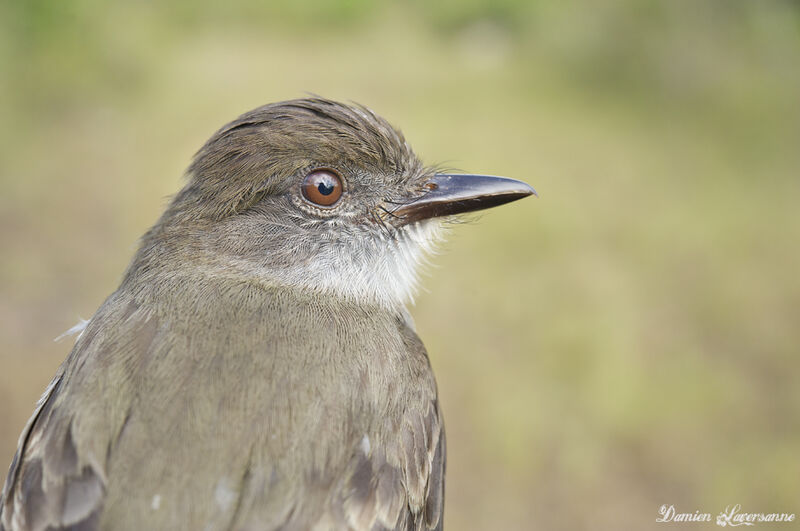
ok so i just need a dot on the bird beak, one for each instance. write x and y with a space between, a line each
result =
449 194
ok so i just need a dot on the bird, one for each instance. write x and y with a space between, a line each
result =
258 368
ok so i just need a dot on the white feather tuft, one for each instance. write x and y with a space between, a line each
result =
77 329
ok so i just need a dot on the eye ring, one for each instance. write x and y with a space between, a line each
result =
322 187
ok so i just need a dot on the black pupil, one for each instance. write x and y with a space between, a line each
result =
326 186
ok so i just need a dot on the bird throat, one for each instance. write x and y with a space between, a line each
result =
380 268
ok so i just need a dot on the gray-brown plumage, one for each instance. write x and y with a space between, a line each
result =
257 369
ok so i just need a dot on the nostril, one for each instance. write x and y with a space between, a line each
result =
431 186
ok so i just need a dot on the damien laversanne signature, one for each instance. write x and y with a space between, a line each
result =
732 516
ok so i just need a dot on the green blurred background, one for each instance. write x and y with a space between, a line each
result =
630 339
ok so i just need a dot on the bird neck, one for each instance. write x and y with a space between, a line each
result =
374 269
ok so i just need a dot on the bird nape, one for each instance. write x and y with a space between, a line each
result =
257 367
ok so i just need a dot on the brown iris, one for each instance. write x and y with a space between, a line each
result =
322 187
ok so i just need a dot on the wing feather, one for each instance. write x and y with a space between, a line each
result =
49 486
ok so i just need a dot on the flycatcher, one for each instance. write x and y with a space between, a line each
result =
257 368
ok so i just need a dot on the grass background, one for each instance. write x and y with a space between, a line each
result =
630 339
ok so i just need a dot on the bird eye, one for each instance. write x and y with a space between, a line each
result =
322 187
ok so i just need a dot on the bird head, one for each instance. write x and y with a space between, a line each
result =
316 196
